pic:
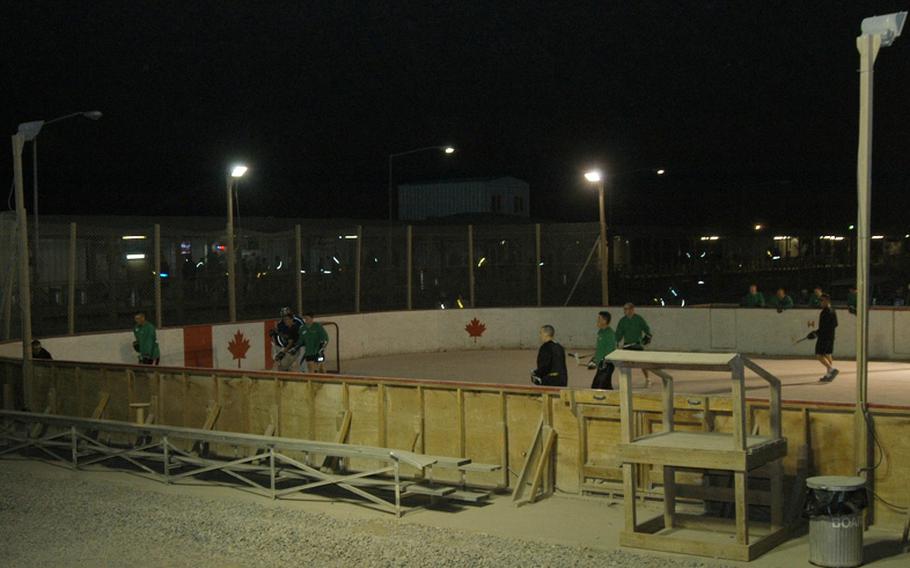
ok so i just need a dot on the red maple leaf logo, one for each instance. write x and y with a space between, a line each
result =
475 329
238 347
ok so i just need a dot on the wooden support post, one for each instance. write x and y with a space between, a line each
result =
461 425
8 397
627 435
298 267
159 322
539 265
471 265
102 405
71 283
504 439
777 494
739 405
8 301
740 485
358 251
667 399
381 415
669 496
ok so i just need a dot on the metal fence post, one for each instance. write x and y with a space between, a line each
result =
158 320
358 250
539 265
410 265
298 265
71 283
471 264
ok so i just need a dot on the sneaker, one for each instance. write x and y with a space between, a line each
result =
832 374
536 380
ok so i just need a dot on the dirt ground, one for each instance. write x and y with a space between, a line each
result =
50 515
889 382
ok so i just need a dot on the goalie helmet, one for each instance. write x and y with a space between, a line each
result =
285 311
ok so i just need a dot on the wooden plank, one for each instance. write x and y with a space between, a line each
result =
777 494
625 406
102 405
381 415
543 461
529 458
721 494
504 439
212 416
687 546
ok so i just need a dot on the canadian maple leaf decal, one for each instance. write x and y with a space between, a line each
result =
238 347
475 328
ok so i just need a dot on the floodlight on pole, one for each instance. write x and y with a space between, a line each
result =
660 172
29 132
596 176
449 150
876 32
237 171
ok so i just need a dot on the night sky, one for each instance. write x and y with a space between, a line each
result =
751 107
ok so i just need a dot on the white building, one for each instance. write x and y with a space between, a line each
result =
492 196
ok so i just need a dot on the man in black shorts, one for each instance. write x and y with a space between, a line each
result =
551 361
824 344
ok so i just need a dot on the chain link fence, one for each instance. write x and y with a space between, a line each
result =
94 275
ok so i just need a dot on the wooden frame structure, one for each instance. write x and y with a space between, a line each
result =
739 453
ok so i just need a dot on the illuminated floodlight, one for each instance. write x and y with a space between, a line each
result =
877 237
132 237
661 172
238 171
782 237
710 238
136 256
594 176
449 150
759 227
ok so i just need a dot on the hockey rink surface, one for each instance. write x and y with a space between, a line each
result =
889 382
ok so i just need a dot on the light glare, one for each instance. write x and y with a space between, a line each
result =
238 171
593 176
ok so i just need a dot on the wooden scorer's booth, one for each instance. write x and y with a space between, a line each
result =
707 452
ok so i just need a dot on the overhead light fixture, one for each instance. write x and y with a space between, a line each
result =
136 256
661 172
449 150
759 227
593 176
877 237
782 237
710 238
132 237
483 259
238 171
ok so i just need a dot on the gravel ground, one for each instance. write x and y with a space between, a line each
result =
80 521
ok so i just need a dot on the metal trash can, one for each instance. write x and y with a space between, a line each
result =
834 506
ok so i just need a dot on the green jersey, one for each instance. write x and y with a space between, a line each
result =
756 300
631 330
147 340
784 303
815 301
314 338
606 344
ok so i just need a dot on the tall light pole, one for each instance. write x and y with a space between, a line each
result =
595 176
34 128
25 295
237 172
447 150
877 32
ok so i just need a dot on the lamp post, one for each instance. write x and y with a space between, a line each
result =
877 32
33 128
25 296
237 172
595 176
447 150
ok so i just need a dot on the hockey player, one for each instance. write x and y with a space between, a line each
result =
824 344
287 340
551 361
754 299
633 333
146 341
314 340
606 344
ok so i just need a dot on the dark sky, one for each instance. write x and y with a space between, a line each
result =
751 107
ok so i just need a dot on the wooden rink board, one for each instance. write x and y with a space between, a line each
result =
486 423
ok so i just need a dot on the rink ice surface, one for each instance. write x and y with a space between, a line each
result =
889 382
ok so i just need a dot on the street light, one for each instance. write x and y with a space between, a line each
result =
596 176
31 130
237 172
447 150
877 31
